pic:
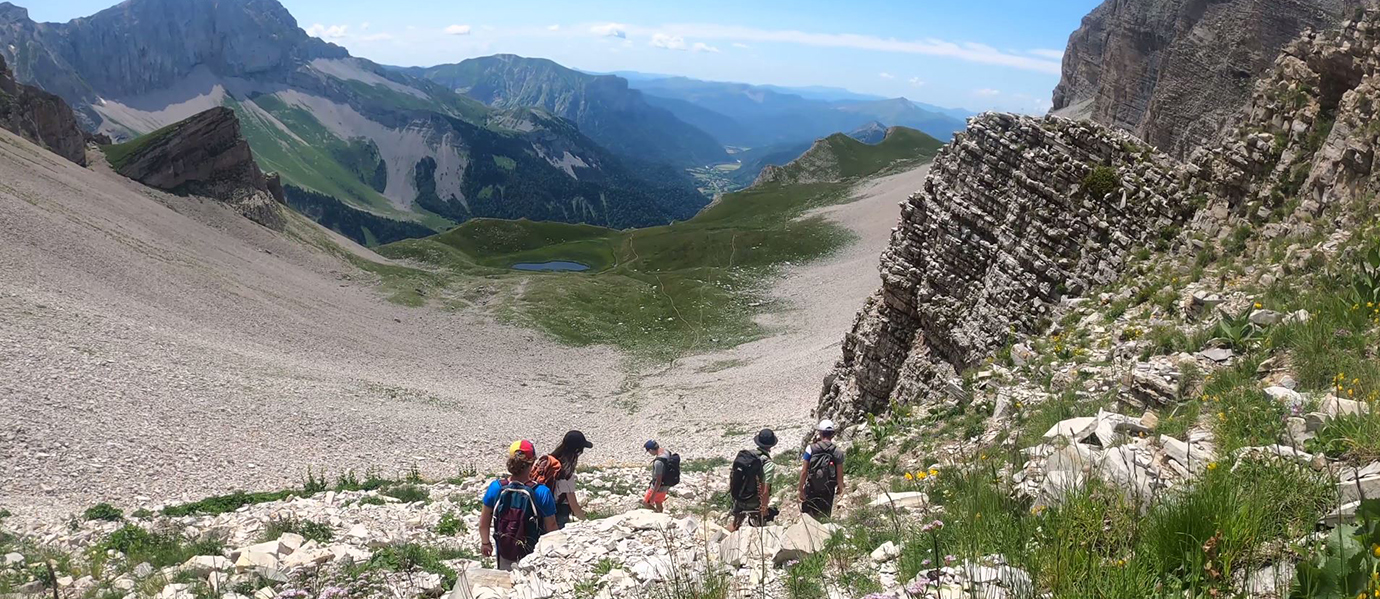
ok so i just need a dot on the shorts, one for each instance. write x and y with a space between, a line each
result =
818 508
654 497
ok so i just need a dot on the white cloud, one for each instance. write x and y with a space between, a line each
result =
1046 53
916 82
669 42
986 92
885 75
458 30
553 27
333 32
741 45
965 51
703 47
610 30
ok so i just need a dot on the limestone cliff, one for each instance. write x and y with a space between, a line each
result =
203 155
1006 227
1016 214
40 117
1173 71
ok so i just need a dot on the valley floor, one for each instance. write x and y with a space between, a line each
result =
162 347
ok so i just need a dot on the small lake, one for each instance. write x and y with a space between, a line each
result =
555 265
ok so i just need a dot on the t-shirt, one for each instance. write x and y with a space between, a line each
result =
546 502
659 467
768 466
563 488
838 453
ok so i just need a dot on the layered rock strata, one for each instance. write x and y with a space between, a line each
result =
40 117
1011 220
206 155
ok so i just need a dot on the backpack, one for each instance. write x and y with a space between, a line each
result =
670 477
823 471
516 523
546 470
745 477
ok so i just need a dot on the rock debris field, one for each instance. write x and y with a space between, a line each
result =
164 348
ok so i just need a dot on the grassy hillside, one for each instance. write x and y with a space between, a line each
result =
663 291
840 157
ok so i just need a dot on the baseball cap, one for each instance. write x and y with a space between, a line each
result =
524 446
825 426
650 445
576 439
765 438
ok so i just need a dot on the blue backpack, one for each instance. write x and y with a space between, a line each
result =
517 526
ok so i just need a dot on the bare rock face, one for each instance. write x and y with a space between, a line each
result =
1016 213
40 117
206 155
1172 72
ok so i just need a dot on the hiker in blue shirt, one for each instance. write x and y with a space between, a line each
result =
523 510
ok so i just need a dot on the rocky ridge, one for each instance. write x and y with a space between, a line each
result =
1173 72
204 155
1013 217
40 117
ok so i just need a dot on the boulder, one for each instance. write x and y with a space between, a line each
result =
175 591
307 558
750 545
203 565
1355 490
256 560
289 543
886 552
643 519
13 559
802 539
902 500
653 569
1335 406
1266 318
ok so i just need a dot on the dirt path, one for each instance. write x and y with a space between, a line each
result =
776 381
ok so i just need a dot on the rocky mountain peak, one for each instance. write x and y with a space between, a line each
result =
10 13
1173 71
203 155
40 117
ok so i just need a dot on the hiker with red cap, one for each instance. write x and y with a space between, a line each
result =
557 471
516 511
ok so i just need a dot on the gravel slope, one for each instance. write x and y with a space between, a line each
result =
162 348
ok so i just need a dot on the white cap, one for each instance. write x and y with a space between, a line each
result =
826 426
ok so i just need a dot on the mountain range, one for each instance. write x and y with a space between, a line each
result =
377 140
411 150
739 114
603 106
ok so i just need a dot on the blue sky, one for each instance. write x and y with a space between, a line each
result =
979 54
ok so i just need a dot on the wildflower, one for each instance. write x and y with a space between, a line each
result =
910 476
949 559
1222 416
921 475
934 472
1258 305
925 563
932 526
1212 466
1376 550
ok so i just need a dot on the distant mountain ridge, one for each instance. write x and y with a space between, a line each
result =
840 157
603 106
739 114
379 141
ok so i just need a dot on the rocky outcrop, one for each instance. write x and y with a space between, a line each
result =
1005 227
871 133
819 163
1016 214
40 117
204 155
1174 71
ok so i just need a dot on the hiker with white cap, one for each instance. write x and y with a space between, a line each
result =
821 474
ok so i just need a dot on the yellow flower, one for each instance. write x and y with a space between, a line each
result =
1222 416
920 475
1258 305
1212 465
909 476
934 472
1376 551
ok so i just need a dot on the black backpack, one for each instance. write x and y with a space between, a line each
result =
671 476
824 475
746 476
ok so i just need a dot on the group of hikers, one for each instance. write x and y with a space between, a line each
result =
537 495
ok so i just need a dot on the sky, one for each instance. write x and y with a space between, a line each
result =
974 54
